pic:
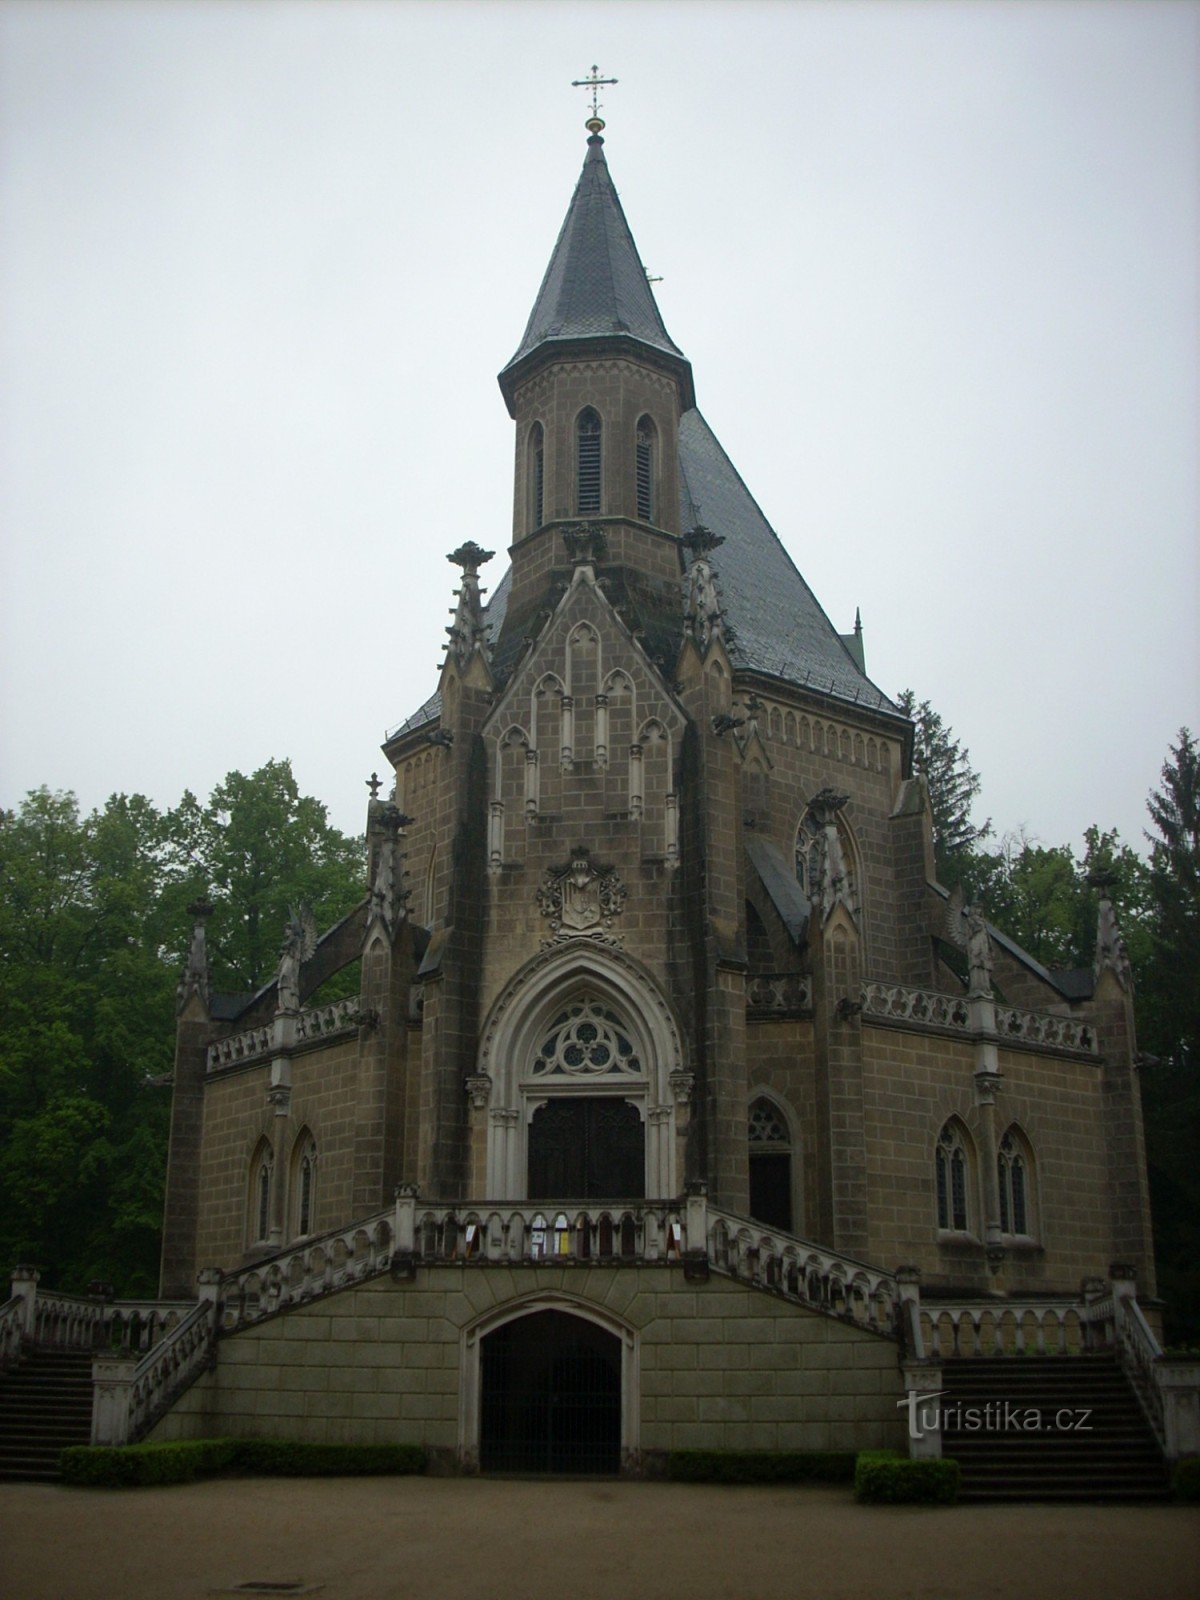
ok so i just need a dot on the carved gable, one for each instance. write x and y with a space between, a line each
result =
585 726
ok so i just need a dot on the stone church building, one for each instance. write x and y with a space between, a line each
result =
678 1105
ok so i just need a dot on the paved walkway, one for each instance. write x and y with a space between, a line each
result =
483 1539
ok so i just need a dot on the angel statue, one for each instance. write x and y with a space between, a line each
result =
966 927
299 942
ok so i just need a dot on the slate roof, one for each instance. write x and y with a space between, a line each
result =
595 286
779 626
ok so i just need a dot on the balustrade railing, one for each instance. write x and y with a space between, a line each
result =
802 1271
172 1366
238 1047
333 1260
1005 1328
336 1017
1044 1028
84 1323
317 1022
1140 1355
894 1002
12 1329
571 1231
778 993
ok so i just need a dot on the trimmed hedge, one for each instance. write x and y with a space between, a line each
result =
882 1477
1185 1480
139 1466
760 1466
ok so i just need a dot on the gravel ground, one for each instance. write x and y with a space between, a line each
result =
490 1539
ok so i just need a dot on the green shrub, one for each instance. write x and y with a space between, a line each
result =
760 1466
141 1465
286 1458
882 1477
138 1466
1185 1480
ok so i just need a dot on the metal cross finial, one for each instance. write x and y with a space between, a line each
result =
593 83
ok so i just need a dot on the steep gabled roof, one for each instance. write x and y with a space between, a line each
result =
595 286
778 625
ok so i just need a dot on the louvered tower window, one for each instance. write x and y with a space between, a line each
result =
537 476
645 470
588 462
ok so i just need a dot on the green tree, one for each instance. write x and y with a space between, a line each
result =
953 787
92 934
1169 1034
260 848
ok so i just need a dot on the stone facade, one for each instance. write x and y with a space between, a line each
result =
650 910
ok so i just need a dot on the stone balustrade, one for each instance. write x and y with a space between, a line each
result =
316 1022
1007 1328
12 1330
1141 1355
778 994
239 1047
339 1016
645 1231
893 1002
802 1271
1045 1029
316 1266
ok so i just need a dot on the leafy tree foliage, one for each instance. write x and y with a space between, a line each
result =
953 786
92 933
1169 1024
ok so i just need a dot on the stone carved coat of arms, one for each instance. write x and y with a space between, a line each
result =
581 898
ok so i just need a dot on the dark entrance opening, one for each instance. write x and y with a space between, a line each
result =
771 1188
551 1396
587 1148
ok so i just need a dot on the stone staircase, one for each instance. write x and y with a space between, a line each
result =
990 1404
45 1405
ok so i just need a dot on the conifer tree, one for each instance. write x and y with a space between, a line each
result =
953 786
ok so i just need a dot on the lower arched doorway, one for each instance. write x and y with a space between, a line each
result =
551 1396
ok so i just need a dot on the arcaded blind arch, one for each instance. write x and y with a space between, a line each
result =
646 461
587 462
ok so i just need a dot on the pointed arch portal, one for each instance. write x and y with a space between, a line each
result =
550 1396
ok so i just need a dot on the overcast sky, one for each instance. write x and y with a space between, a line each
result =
934 266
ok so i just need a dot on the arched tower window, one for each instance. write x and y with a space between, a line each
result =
770 1165
587 441
646 463
952 1162
304 1185
1014 1172
259 1207
537 476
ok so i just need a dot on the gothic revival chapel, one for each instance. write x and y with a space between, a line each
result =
679 1100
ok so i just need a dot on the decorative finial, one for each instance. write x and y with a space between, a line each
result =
595 123
374 785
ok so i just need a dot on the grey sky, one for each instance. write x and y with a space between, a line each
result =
934 266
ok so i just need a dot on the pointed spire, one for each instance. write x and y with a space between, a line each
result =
468 632
595 286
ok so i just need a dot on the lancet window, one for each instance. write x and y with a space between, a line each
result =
645 453
1013 1172
587 439
952 1163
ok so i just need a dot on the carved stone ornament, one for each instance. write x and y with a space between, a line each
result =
586 544
479 1090
1111 954
581 898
